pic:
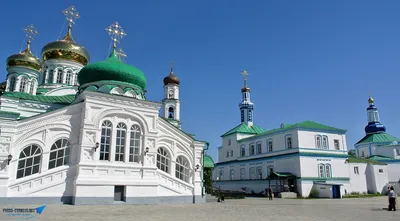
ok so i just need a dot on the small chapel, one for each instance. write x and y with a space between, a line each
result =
76 132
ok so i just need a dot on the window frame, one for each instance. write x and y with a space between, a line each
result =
356 170
258 147
65 148
336 144
23 83
270 147
104 155
221 175
35 155
182 168
12 84
259 173
242 150
232 174
252 150
164 154
325 142
270 169
135 138
288 141
242 173
120 142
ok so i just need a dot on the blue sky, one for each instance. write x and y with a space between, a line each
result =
307 60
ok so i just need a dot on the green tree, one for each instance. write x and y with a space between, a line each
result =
352 152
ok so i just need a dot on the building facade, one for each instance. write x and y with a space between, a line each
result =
80 133
379 145
292 158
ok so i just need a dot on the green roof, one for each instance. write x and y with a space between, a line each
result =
9 113
364 160
378 138
112 69
279 174
380 158
208 162
66 99
244 129
311 125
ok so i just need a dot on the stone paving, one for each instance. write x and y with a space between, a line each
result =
250 209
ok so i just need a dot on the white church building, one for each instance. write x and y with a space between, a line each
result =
80 133
293 159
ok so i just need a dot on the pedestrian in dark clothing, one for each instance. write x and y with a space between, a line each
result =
392 199
270 193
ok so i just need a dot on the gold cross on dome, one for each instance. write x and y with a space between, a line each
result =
244 73
31 32
116 33
172 66
71 14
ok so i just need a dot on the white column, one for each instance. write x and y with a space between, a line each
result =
112 142
28 86
17 84
127 143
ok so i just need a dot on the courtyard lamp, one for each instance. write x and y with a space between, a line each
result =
9 158
97 146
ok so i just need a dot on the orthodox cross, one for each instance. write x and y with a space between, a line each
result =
121 54
116 33
30 32
244 73
172 66
71 14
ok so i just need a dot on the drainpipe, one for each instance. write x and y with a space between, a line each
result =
202 178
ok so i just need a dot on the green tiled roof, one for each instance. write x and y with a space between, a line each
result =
364 160
302 125
208 162
379 158
378 138
66 99
244 129
9 113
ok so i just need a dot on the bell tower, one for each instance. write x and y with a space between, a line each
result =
171 102
246 106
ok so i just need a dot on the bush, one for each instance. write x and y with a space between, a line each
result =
314 193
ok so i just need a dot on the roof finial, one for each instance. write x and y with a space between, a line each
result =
370 99
30 33
116 33
244 73
172 66
71 15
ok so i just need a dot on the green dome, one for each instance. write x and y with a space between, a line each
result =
208 162
112 69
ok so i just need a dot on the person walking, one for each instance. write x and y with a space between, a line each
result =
392 199
270 193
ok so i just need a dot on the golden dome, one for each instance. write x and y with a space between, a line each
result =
246 89
66 49
370 100
25 59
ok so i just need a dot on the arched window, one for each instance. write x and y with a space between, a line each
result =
33 85
105 140
182 169
252 173
258 147
259 173
43 79
318 141
59 76
270 170
11 87
270 145
171 113
321 170
134 145
50 78
22 84
221 175
242 173
120 142
59 153
325 142
251 149
232 174
328 171
68 77
29 161
288 141
76 79
242 151
163 160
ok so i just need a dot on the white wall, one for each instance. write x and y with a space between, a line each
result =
307 139
393 170
309 166
358 182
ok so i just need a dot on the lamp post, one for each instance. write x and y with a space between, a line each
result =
9 158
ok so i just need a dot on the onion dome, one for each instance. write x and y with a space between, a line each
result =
25 59
112 69
66 49
370 100
171 79
245 89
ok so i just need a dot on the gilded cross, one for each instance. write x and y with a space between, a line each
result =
172 66
30 32
71 14
116 33
244 73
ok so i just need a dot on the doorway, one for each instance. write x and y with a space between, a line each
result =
336 191
119 192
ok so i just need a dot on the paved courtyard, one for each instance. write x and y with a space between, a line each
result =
250 209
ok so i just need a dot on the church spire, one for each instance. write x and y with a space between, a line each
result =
374 126
246 106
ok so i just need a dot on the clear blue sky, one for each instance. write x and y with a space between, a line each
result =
307 60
